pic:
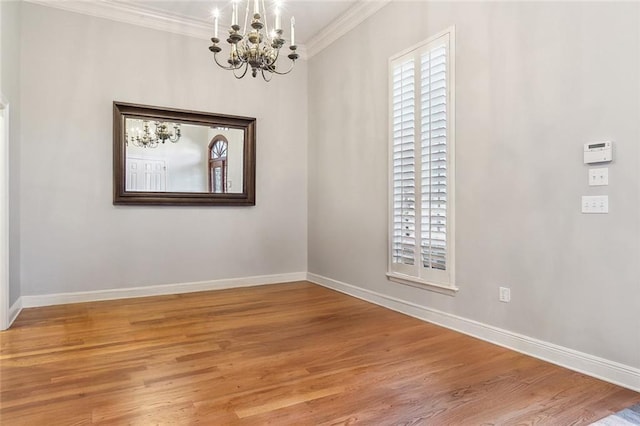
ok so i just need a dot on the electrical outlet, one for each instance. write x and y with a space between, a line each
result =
505 294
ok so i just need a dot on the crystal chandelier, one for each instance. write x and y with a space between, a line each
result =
254 48
148 139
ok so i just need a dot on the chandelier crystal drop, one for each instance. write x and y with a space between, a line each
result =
151 139
256 46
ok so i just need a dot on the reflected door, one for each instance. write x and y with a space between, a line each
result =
218 164
146 175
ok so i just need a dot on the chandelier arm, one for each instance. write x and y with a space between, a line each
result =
287 71
268 63
215 57
176 133
264 77
246 68
273 63
226 67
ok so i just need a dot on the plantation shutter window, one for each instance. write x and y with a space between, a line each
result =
433 238
421 164
404 187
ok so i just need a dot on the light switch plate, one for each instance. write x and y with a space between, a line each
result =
595 204
599 176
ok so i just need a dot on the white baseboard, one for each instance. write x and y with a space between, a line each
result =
27 301
610 371
601 368
14 310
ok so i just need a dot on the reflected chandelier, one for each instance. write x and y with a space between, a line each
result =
254 48
148 139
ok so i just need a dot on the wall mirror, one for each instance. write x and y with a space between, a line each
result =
164 156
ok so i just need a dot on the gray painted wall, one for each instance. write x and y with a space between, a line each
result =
10 83
534 82
72 237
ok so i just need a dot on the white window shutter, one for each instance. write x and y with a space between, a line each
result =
404 160
433 95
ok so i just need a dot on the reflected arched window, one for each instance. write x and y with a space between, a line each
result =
218 164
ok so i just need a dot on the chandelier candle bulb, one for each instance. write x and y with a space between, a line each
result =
293 31
278 24
256 7
234 13
215 23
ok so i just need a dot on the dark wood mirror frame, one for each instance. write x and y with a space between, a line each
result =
122 110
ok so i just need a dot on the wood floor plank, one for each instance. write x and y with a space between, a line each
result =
280 354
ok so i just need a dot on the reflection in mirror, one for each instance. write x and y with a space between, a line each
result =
199 159
172 157
142 136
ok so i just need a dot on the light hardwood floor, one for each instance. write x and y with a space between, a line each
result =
280 354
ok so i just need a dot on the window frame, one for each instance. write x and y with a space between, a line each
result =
416 275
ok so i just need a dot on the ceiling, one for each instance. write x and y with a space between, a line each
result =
318 22
311 15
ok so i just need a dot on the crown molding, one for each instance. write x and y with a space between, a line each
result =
142 16
355 15
136 15
149 17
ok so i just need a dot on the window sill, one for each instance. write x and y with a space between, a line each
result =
449 290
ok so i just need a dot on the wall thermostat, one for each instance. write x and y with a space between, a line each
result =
598 152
